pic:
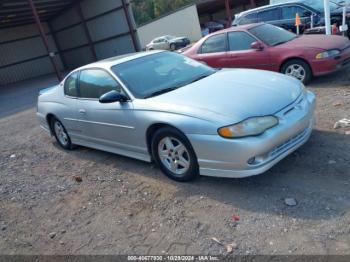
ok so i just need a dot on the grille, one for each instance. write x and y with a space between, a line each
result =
288 144
346 61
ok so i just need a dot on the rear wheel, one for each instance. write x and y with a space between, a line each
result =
299 69
174 154
61 134
172 47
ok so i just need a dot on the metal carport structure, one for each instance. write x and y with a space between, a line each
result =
39 37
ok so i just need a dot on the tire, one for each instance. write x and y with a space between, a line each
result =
61 134
174 154
298 69
172 47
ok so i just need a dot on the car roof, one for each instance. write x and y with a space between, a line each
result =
262 8
112 61
237 28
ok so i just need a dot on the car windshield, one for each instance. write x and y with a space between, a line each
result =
159 73
272 35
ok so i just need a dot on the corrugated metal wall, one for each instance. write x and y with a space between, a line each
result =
106 27
23 54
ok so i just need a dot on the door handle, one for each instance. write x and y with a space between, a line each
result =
82 111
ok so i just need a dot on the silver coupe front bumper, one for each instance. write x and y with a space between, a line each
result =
243 157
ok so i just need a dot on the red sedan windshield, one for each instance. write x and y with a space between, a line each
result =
272 35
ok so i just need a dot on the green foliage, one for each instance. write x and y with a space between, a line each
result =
146 10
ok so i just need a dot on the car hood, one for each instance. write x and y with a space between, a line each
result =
231 95
326 42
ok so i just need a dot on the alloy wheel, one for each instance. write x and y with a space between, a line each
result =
61 134
296 71
174 155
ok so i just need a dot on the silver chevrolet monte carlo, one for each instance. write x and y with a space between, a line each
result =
189 118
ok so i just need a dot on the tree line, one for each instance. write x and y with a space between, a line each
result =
146 10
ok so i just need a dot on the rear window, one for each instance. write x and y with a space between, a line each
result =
249 19
269 15
289 12
70 85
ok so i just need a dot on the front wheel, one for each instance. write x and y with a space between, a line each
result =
174 155
172 47
299 69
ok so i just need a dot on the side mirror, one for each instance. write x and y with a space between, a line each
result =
112 97
257 46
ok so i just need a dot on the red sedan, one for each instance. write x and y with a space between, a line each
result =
264 46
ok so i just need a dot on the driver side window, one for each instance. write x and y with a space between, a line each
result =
93 83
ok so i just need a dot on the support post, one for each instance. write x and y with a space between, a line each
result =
131 28
253 3
86 30
228 13
344 19
327 16
58 46
44 38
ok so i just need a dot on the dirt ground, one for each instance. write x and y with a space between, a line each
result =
124 206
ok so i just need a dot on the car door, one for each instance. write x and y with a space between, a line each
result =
104 124
157 44
242 55
69 105
214 51
163 44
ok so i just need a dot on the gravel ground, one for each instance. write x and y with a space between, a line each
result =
124 206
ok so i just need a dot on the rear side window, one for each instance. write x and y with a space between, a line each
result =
214 44
95 82
269 15
289 12
70 85
240 41
249 19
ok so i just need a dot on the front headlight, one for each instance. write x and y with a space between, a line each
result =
250 127
327 54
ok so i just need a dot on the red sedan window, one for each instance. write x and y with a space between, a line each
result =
214 44
240 41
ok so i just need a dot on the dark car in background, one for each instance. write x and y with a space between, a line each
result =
335 9
283 14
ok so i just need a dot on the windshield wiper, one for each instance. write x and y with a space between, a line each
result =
280 43
159 92
166 90
200 77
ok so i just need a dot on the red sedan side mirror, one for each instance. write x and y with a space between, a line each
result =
257 46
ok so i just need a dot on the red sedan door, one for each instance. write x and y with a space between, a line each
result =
214 51
241 54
